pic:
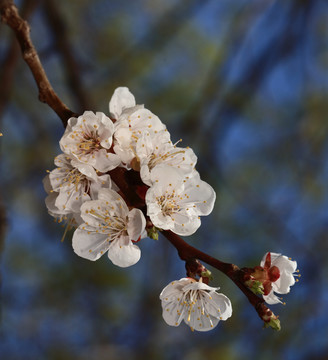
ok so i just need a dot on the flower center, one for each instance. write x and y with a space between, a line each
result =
112 225
76 178
89 142
156 159
194 302
168 203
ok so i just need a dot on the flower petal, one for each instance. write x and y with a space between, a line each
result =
174 289
188 227
114 201
173 313
121 99
219 306
283 284
105 161
271 298
136 224
123 253
89 245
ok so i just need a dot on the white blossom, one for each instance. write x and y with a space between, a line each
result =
72 219
121 100
176 201
131 122
153 149
109 226
74 183
198 304
89 138
287 268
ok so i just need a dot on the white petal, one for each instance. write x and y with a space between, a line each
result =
143 119
283 263
283 284
187 228
115 202
121 99
105 161
174 289
145 174
200 321
85 169
173 312
50 203
136 224
201 194
198 285
123 253
166 177
89 246
271 298
90 217
46 184
219 302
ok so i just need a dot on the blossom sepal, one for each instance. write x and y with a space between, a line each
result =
273 323
152 233
255 286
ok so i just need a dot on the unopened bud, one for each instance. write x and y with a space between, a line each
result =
274 323
152 233
207 274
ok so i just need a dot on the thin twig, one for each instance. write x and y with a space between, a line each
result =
9 63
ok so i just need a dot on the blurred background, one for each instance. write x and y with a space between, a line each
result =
244 83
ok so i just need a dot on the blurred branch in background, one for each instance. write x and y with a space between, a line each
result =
236 96
124 66
72 67
10 15
7 74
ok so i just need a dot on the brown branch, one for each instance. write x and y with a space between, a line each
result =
129 187
10 16
9 63
188 252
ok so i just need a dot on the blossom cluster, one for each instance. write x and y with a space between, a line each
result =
81 190
82 193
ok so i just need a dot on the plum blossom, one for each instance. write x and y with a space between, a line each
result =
155 149
176 201
121 100
72 219
280 270
74 183
109 226
131 122
88 138
198 304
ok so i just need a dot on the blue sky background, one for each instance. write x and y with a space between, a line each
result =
242 83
